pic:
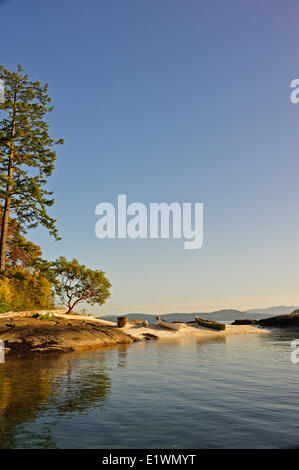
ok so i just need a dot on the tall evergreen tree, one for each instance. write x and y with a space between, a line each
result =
26 156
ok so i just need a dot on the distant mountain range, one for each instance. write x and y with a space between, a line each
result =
219 315
280 310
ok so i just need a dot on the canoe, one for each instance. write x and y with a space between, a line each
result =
210 324
170 326
139 323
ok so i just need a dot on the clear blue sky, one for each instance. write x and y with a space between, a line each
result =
172 101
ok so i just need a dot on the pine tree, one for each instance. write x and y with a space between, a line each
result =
26 156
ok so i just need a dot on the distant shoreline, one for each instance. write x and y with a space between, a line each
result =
218 315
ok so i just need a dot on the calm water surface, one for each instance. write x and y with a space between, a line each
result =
239 392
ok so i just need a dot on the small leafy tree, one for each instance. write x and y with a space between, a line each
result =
26 155
75 283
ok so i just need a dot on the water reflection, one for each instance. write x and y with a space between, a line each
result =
223 392
122 356
58 386
202 342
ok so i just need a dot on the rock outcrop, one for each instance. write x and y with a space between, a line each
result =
29 335
288 321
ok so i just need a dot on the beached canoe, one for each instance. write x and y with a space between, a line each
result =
170 326
210 324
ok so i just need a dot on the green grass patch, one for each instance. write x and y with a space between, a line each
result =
45 316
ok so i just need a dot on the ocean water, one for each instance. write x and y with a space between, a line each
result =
238 392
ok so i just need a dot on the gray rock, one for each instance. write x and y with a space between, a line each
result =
288 321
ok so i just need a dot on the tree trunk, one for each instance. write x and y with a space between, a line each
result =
4 231
5 216
75 303
6 209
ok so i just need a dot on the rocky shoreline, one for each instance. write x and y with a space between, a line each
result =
23 335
